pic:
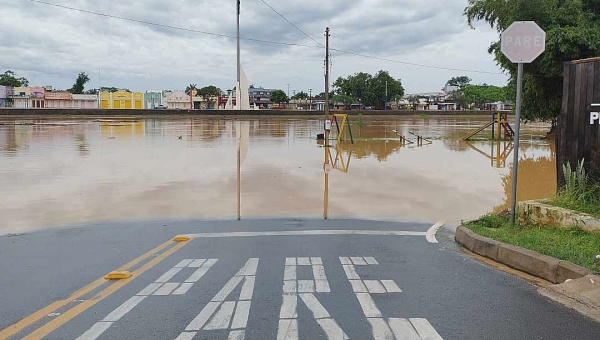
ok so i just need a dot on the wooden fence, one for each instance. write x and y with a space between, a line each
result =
576 137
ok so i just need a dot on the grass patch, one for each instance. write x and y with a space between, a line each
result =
579 193
574 244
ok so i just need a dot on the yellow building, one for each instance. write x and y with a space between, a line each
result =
121 100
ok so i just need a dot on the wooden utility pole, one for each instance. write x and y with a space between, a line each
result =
327 83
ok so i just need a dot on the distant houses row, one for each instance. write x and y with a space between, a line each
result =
38 97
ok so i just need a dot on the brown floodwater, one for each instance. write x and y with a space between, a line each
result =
68 171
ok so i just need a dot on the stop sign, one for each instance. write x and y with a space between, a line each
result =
523 41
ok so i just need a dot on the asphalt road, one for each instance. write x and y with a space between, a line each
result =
266 279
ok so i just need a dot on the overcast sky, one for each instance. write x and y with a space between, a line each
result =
50 45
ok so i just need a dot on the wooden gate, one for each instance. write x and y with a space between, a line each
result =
576 137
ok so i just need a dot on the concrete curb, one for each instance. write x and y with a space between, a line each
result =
525 260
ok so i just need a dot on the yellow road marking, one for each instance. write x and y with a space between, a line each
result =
73 312
35 317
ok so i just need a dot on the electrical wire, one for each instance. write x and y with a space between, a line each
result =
221 35
289 22
413 64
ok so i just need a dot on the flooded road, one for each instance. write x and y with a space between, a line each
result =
63 171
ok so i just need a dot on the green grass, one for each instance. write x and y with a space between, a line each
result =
592 208
579 193
574 244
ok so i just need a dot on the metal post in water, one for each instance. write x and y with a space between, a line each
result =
515 169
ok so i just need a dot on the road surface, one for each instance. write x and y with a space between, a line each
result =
266 279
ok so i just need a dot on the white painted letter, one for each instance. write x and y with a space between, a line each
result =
594 116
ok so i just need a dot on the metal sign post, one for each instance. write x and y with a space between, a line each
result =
522 43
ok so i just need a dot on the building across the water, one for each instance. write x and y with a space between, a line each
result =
121 100
177 100
6 93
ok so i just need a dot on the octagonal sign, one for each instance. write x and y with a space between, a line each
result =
523 42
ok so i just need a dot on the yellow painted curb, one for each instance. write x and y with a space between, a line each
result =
118 275
181 238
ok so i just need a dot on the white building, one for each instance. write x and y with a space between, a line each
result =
177 100
85 101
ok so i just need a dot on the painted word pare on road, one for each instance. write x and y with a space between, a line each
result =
230 312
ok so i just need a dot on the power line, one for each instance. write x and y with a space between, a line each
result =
289 22
221 35
413 64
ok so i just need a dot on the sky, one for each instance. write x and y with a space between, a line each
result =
51 45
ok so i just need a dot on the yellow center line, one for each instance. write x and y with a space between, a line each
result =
73 312
35 317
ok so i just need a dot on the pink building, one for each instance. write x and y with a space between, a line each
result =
36 97
58 100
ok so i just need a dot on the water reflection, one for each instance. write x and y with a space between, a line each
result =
70 171
499 152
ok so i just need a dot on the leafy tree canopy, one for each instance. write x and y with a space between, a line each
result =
461 81
80 82
572 32
300 96
482 94
368 89
9 78
344 99
190 88
278 96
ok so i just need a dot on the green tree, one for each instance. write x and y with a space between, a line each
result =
190 88
461 81
9 78
482 94
572 32
370 90
209 94
300 96
279 96
79 86
344 99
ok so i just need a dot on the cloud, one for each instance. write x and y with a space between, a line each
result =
50 45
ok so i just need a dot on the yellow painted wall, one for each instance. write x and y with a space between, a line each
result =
122 100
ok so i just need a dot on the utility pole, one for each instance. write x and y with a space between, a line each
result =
327 82
310 98
239 66
327 128
386 95
288 92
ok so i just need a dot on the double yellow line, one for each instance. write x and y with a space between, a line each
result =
73 312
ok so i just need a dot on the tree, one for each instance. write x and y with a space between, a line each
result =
80 82
369 90
91 91
278 96
572 32
300 96
344 99
461 82
9 78
209 93
190 88
482 94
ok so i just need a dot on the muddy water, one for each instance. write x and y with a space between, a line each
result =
56 172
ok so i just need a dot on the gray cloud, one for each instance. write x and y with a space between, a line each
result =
50 45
